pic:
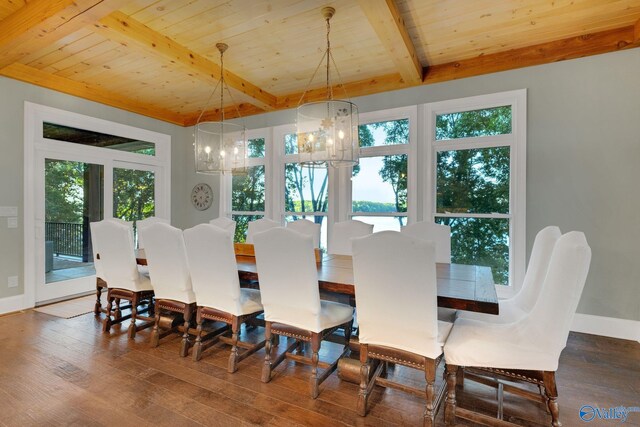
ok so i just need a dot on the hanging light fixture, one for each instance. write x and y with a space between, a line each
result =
327 131
220 147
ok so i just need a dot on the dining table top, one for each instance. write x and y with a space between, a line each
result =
460 287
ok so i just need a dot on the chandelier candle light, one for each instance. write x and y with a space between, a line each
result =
327 131
220 147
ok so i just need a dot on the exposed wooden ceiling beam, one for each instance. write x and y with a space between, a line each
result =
558 50
386 20
636 32
40 78
352 89
41 23
124 29
230 112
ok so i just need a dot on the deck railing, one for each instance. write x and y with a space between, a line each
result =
66 238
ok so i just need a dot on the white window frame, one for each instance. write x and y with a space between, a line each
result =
410 149
266 161
517 99
36 148
280 160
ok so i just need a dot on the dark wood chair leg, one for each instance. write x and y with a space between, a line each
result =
347 334
155 332
233 357
430 376
135 300
363 395
266 369
316 340
97 309
551 392
184 349
197 347
117 313
450 402
106 323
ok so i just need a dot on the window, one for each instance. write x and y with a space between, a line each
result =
306 189
380 182
248 190
97 139
476 152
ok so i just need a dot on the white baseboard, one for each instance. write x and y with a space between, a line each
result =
14 303
606 326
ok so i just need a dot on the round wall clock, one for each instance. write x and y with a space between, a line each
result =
202 196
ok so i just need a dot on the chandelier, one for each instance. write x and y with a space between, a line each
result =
327 131
220 147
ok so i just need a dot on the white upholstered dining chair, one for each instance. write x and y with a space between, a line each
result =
288 277
514 308
258 226
438 233
114 250
396 291
146 223
169 271
308 228
101 283
529 349
220 299
343 232
224 223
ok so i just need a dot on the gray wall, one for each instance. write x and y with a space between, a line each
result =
583 150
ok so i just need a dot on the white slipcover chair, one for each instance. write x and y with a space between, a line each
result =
308 228
516 307
288 279
441 236
146 223
343 232
224 223
438 233
169 271
214 274
258 226
533 343
113 247
396 293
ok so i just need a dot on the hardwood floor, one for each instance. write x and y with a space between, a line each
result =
57 371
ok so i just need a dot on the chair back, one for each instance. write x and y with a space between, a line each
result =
343 232
145 223
213 267
537 269
260 225
288 278
114 251
167 261
308 228
224 223
396 291
94 248
438 233
551 317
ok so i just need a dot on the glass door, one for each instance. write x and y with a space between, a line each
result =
73 199
75 190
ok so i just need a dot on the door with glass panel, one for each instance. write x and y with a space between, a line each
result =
81 177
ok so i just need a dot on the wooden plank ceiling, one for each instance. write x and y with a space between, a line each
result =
158 57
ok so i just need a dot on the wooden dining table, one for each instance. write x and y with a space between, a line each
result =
460 287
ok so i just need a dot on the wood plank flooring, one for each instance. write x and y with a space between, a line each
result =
61 372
